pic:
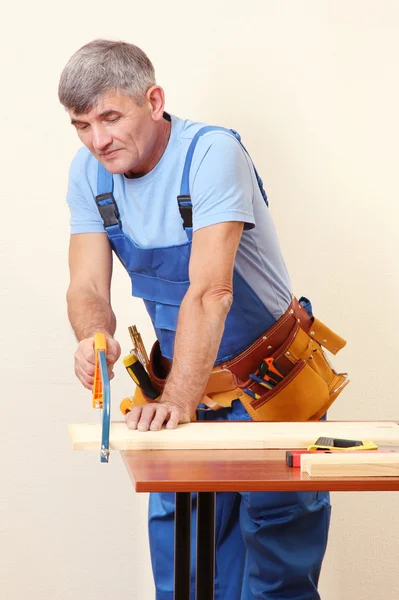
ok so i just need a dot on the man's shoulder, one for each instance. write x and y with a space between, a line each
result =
218 142
216 134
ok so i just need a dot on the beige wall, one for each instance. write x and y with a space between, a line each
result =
312 87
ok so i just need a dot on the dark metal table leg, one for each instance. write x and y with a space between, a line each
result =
182 545
205 545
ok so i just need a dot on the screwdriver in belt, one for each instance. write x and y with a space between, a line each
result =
140 376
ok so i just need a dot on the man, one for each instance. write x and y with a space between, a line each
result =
212 288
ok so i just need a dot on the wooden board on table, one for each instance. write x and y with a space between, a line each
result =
237 435
353 464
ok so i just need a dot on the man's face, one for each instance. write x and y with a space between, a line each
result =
118 132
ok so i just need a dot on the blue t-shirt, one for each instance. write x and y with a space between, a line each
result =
223 188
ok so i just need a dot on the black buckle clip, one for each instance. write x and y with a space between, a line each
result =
108 211
186 210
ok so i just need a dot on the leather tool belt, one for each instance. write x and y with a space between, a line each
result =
296 343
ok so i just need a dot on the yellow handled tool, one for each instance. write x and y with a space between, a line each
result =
140 376
326 443
137 365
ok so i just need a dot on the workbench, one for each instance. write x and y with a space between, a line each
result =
210 457
209 471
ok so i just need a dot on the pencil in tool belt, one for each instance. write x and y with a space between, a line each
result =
252 394
267 384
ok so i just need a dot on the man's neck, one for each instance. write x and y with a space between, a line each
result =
157 151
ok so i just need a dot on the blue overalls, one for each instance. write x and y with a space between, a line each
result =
268 545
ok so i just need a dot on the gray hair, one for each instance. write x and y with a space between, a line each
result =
103 66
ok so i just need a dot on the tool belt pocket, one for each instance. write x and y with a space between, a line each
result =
309 386
326 337
159 368
296 398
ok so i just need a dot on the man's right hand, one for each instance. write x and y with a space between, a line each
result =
85 359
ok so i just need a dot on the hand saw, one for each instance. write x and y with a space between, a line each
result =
102 392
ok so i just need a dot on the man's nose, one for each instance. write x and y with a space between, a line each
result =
101 138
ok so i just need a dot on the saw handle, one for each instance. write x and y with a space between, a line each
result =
100 343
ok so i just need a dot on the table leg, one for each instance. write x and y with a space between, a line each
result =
205 545
182 545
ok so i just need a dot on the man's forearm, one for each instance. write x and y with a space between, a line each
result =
89 313
199 332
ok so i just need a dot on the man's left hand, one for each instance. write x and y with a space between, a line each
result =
152 416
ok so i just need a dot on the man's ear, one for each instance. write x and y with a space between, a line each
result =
156 101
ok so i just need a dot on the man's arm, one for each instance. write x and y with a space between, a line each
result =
88 298
200 327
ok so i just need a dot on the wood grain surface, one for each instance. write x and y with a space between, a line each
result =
235 471
354 464
237 435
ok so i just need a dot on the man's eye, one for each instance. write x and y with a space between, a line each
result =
112 119
81 127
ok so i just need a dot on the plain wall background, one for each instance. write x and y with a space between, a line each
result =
312 87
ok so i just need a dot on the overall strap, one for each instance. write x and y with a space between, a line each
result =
184 198
106 202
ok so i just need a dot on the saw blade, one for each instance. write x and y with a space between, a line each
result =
106 409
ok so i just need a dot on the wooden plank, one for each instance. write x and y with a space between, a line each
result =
354 464
237 435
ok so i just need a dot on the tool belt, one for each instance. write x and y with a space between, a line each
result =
295 343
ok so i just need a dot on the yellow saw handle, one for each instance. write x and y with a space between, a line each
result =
100 343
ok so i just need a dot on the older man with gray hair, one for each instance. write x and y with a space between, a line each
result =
182 206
